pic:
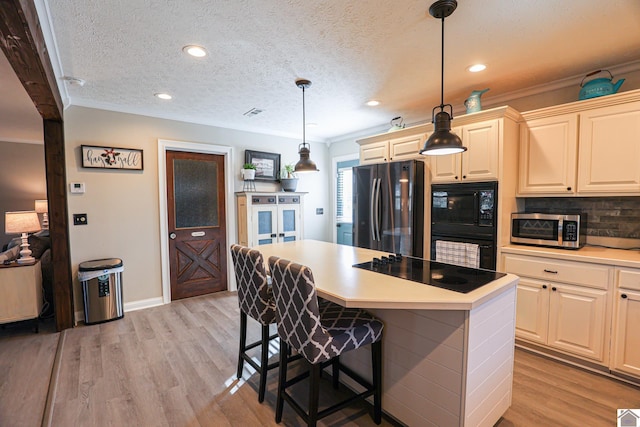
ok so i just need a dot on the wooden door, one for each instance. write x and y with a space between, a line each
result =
197 223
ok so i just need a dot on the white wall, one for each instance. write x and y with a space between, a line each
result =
123 207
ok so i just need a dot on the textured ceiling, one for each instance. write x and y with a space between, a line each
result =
352 51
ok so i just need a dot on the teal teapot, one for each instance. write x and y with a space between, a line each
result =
473 101
598 87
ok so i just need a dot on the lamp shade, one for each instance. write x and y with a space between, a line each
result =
442 141
21 222
305 164
42 206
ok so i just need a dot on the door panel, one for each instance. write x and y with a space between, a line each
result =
197 223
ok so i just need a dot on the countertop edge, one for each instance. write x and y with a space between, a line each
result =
592 254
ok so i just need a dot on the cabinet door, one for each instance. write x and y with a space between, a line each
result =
577 320
548 156
626 351
288 223
480 161
376 152
265 225
609 150
447 168
532 310
405 148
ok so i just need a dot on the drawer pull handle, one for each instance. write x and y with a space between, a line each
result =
624 295
550 271
554 289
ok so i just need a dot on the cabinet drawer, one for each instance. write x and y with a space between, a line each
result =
579 273
628 278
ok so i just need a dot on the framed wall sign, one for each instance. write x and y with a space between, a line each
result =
95 156
267 164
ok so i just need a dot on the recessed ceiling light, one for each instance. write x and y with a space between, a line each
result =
477 67
163 95
193 50
373 103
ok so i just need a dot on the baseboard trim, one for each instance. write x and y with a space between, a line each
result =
128 306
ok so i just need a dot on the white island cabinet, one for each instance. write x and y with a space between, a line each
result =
447 356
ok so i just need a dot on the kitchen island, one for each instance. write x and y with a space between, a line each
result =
447 356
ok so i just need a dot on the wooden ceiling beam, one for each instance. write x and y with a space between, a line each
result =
23 44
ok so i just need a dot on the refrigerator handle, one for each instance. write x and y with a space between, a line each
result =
378 209
372 203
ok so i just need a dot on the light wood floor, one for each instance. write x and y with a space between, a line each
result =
174 365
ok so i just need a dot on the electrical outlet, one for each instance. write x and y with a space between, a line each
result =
319 211
80 219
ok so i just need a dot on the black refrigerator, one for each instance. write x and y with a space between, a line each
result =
388 207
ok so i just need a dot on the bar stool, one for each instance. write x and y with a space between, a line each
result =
320 332
255 299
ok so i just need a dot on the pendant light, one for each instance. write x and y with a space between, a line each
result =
305 164
442 140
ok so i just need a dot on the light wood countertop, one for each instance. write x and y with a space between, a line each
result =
337 281
592 254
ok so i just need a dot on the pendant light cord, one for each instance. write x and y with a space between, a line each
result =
304 139
442 69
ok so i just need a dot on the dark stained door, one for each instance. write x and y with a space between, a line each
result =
197 223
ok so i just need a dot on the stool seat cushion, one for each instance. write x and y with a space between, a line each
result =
318 329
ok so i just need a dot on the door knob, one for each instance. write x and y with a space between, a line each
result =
172 236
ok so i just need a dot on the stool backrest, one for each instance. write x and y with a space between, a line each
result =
254 293
297 311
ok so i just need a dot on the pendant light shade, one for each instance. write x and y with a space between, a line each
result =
442 140
305 164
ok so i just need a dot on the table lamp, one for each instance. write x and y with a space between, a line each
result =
42 206
22 223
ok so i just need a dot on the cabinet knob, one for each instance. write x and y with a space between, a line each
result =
568 188
544 286
464 176
624 296
456 177
554 289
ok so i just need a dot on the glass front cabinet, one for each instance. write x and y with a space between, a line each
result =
265 218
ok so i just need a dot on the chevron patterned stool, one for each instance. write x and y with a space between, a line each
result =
320 332
256 300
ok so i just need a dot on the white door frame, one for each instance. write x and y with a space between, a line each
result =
165 145
334 184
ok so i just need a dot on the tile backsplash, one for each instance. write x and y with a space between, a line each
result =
607 216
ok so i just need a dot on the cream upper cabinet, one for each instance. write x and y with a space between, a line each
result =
609 159
626 351
548 155
376 152
391 150
478 163
585 148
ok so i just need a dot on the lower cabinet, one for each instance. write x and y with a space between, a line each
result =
563 305
265 218
625 350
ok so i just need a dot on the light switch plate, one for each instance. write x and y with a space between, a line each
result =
319 211
80 219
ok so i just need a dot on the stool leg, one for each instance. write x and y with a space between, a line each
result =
376 362
335 365
243 342
282 379
264 362
314 393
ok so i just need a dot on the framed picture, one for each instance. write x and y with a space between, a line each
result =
267 164
95 156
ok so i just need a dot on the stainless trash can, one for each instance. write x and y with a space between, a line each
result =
101 289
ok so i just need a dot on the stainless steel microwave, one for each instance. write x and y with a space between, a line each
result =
543 229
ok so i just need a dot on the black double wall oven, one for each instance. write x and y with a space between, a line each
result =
466 212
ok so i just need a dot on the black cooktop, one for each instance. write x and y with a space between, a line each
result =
446 276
